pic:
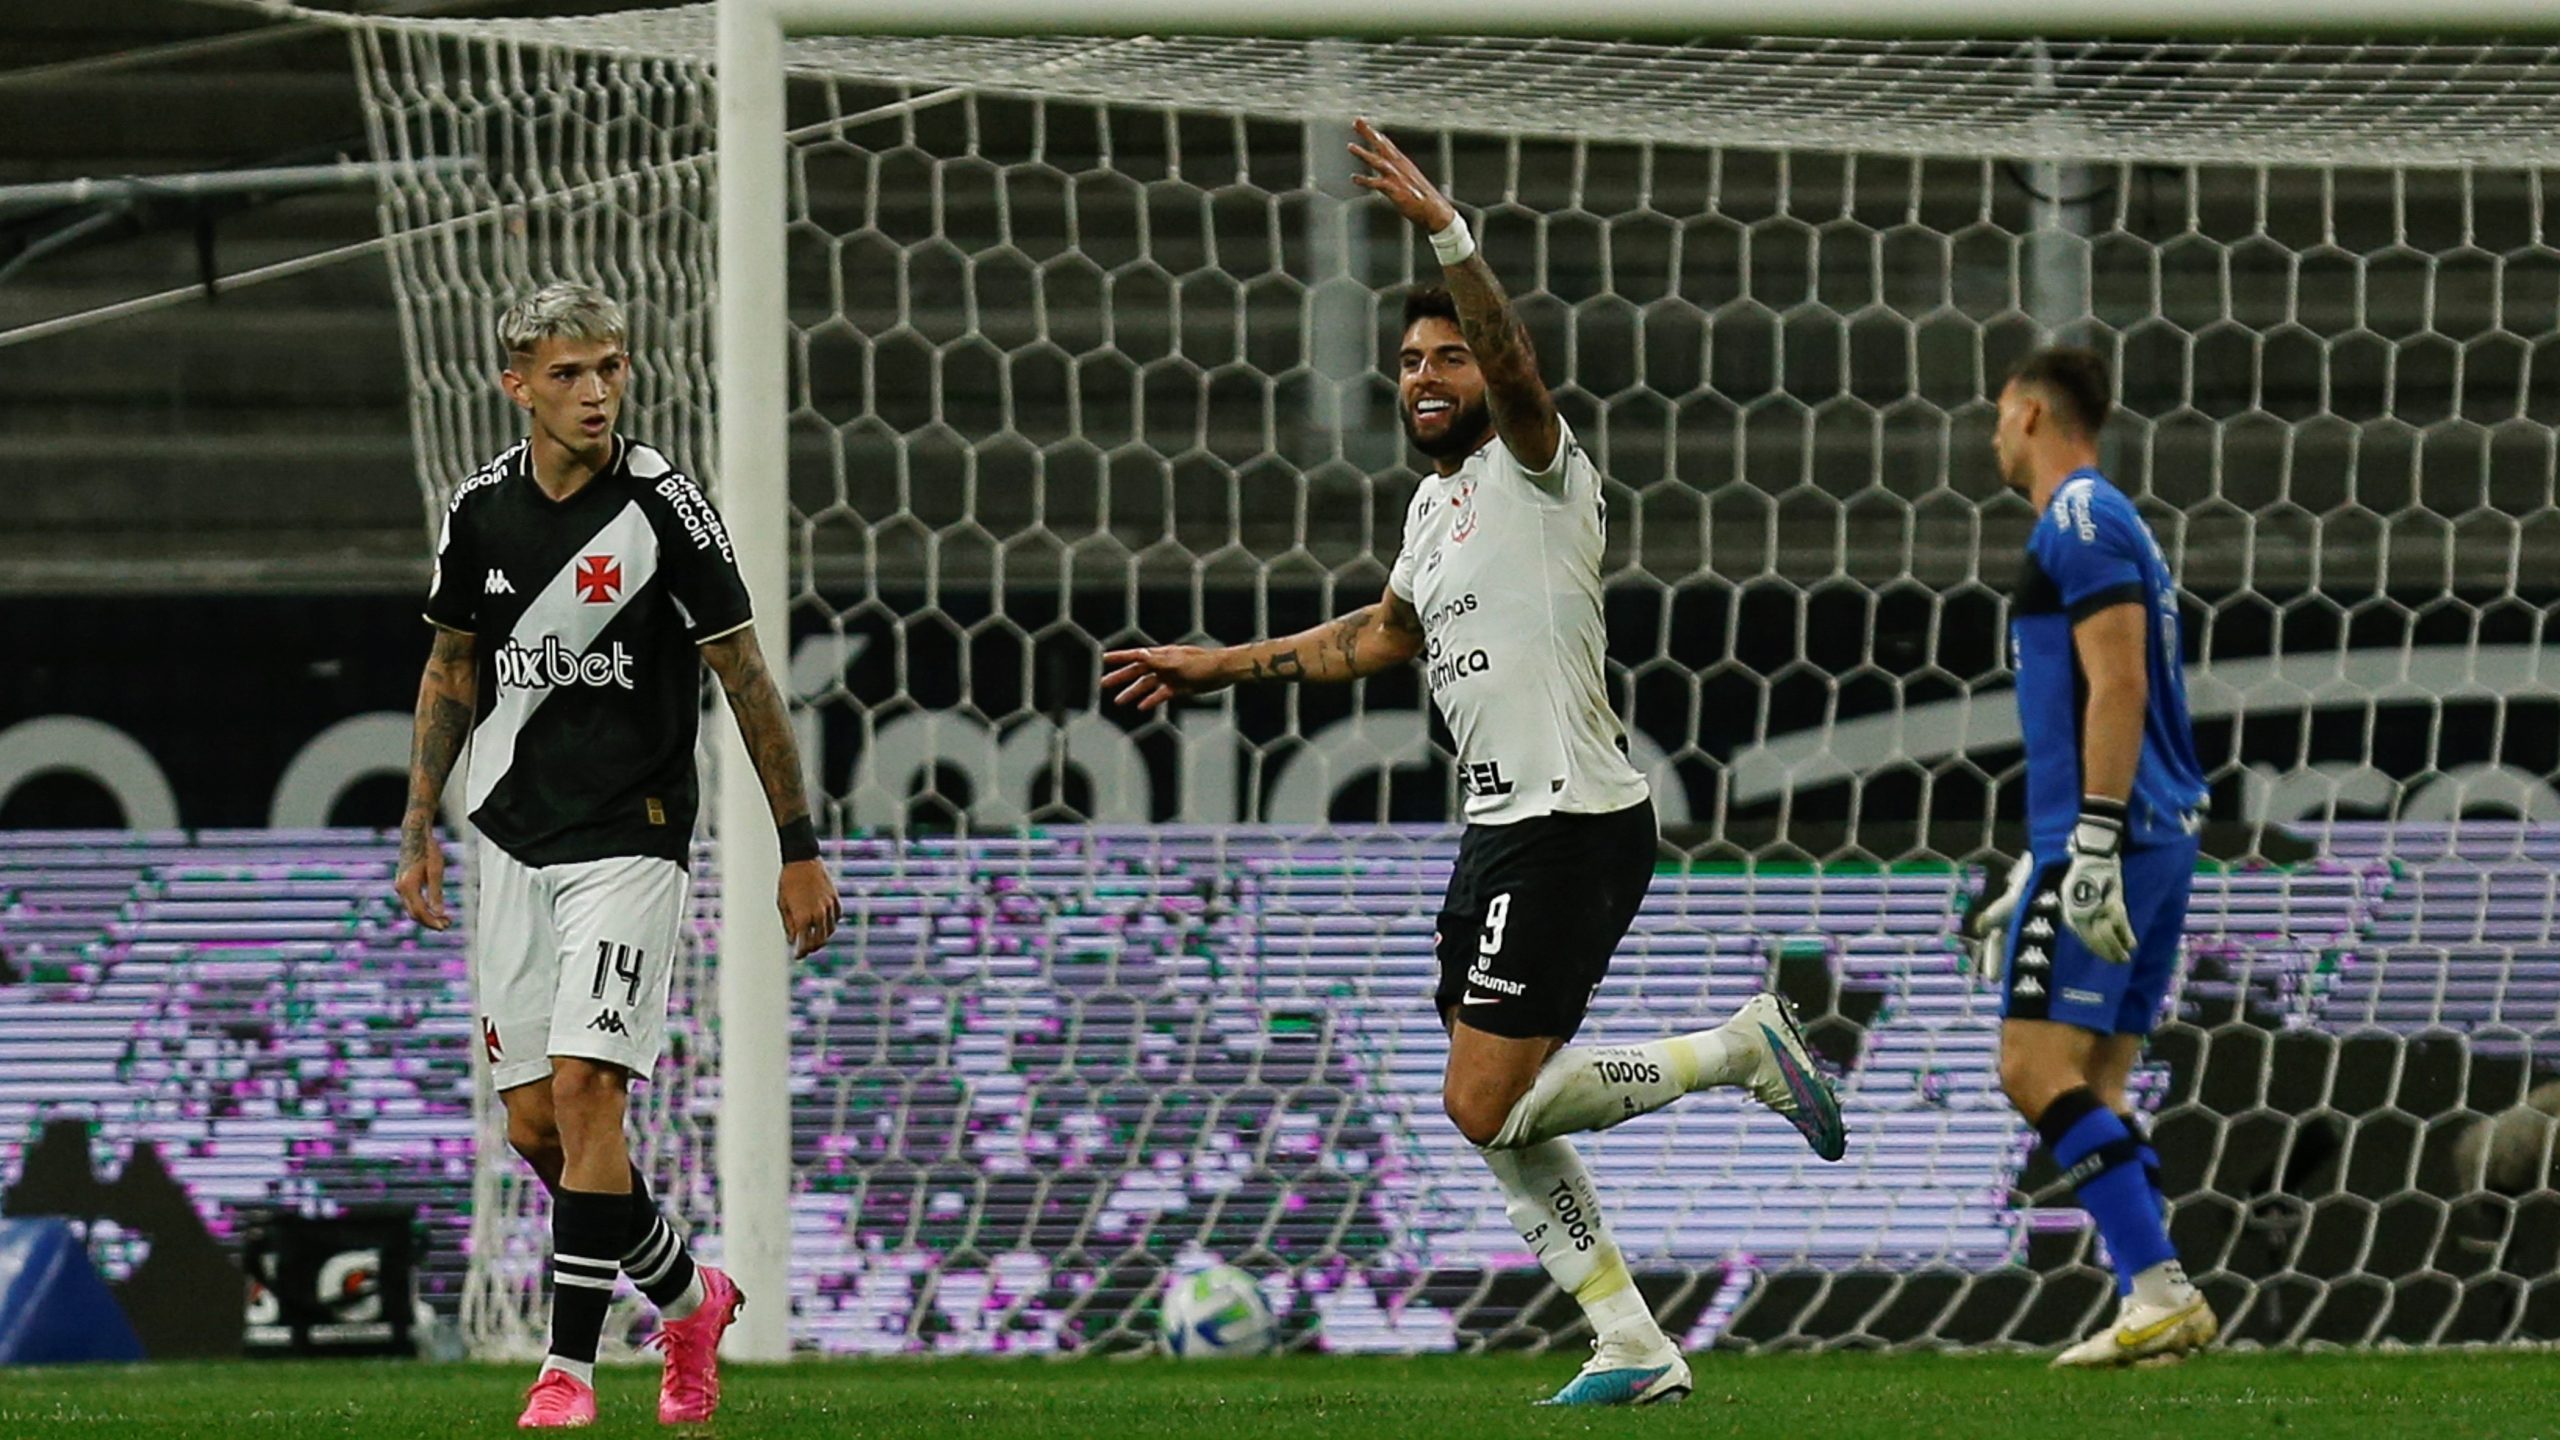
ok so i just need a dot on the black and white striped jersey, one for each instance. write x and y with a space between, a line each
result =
588 612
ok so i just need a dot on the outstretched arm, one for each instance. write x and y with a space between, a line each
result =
1364 642
807 896
1524 414
447 695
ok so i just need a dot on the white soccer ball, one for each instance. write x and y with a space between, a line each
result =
1216 1312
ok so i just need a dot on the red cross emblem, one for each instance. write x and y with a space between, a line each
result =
599 579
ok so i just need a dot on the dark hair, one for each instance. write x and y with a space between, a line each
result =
1429 302
2075 382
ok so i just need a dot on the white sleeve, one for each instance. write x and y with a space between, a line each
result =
1557 478
1400 579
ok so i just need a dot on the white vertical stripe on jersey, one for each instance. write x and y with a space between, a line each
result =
558 610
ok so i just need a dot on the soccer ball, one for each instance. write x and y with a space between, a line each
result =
1216 1312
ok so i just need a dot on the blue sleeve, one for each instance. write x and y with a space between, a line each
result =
2085 551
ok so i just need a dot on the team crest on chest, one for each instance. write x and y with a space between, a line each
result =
1465 501
599 579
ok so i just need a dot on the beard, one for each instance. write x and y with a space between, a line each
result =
1466 431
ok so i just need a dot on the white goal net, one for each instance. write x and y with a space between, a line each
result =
1087 342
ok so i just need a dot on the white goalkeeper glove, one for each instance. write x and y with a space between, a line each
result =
2093 888
1986 925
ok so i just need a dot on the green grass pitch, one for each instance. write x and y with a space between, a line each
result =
2443 1396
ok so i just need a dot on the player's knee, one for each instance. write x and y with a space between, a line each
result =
536 1139
1478 1114
582 1088
2030 1083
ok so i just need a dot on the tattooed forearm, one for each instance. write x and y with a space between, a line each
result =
1351 647
445 701
1345 637
1523 411
1285 664
763 722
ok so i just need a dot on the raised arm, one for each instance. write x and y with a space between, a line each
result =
807 895
1362 643
1524 414
447 695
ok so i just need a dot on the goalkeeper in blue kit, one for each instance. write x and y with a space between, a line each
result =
2083 937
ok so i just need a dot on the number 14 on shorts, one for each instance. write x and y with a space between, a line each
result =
619 962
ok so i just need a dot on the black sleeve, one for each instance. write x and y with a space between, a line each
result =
453 595
700 564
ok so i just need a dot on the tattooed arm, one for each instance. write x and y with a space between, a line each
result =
1524 414
762 721
1362 643
447 694
807 897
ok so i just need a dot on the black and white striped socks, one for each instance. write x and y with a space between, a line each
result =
586 1241
658 1261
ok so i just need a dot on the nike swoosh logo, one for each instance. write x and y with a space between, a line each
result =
2152 1331
1479 999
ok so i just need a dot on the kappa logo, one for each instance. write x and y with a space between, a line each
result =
2027 986
610 1022
497 584
2032 957
599 579
2038 928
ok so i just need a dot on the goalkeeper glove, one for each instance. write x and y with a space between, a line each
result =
2093 888
1986 922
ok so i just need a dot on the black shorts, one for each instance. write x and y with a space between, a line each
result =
1534 911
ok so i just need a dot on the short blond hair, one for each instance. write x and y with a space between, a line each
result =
561 310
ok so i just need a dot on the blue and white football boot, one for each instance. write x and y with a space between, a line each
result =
1786 1080
1619 1377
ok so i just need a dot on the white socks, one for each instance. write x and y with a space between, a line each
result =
1549 1197
683 1306
1595 1087
2163 1285
582 1371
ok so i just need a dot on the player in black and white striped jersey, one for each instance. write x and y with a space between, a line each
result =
581 581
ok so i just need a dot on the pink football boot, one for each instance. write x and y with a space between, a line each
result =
690 1390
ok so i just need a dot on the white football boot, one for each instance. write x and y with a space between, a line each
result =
2146 1335
1625 1377
1785 1080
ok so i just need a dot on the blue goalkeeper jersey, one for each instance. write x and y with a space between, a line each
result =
2091 551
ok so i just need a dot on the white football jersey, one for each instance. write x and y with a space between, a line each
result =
1503 566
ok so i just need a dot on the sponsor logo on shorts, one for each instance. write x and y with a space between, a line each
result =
610 1022
1475 999
496 584
2082 997
1496 983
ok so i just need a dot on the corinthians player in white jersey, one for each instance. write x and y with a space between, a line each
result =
581 581
1497 591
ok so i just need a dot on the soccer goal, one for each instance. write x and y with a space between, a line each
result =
1004 349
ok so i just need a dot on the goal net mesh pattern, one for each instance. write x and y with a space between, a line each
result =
1088 343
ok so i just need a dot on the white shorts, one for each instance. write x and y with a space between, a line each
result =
574 960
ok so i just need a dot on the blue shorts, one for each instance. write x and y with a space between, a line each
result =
2050 975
